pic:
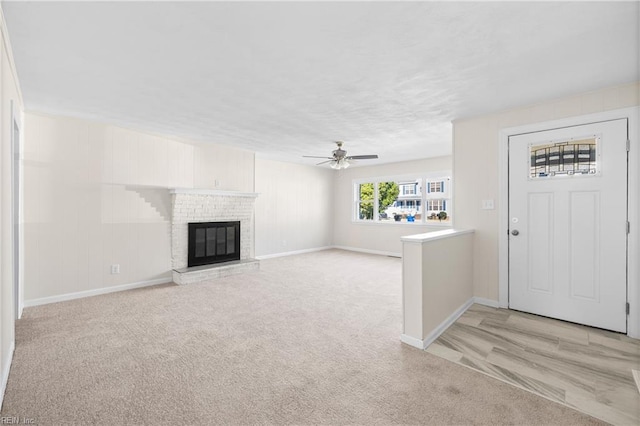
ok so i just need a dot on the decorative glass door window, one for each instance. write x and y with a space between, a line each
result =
566 158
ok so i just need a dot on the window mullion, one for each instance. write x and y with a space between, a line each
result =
423 200
376 213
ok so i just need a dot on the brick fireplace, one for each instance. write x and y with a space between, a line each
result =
205 205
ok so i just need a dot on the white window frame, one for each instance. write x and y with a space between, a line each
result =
358 201
424 179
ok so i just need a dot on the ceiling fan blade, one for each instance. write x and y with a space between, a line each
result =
324 162
313 156
362 157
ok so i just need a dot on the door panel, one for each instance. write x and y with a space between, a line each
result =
584 241
568 215
541 261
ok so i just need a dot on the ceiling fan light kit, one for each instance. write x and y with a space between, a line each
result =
339 159
339 164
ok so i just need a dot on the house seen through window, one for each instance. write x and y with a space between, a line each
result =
436 186
404 200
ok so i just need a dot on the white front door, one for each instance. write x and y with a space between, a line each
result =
568 224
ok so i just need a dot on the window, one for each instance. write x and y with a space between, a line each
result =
437 211
567 158
365 201
438 205
436 186
409 189
385 200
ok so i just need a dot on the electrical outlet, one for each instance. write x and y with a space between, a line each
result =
115 268
216 183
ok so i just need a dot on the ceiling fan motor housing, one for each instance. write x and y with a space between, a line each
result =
339 153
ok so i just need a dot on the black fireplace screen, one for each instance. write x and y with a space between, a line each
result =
213 242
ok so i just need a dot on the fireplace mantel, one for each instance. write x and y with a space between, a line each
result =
204 191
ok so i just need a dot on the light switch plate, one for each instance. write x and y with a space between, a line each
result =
487 205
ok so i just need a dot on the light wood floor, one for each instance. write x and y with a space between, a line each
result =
585 368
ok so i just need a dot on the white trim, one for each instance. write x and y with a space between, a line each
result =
204 191
9 50
486 302
361 250
293 253
405 177
95 292
412 341
632 115
441 328
633 277
17 183
444 325
5 371
636 377
436 332
503 219
435 235
372 222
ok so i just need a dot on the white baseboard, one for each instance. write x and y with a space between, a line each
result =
95 292
636 377
412 341
361 250
292 253
431 337
5 371
436 332
486 302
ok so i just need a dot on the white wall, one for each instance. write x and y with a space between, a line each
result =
96 195
294 210
475 150
232 169
383 238
9 91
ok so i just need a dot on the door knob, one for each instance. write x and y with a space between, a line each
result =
515 232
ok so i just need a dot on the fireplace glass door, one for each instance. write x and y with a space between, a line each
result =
213 242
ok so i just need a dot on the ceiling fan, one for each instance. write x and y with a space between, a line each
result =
340 159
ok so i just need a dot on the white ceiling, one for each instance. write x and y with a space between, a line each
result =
286 79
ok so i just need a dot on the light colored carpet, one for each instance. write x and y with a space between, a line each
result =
309 339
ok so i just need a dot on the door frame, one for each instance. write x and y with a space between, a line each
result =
17 237
633 203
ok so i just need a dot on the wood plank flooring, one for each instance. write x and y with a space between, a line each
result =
585 368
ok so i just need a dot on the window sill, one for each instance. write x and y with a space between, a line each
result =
393 223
